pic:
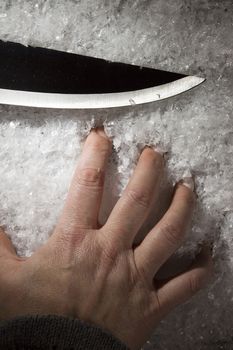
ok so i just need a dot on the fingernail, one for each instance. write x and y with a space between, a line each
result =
145 147
162 153
188 182
159 150
155 149
100 131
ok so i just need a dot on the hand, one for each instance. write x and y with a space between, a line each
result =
92 272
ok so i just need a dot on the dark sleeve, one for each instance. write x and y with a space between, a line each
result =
55 333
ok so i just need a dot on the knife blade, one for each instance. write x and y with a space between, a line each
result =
45 78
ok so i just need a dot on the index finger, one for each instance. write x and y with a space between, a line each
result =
83 201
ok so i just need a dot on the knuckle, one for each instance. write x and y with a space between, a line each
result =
173 234
90 177
140 197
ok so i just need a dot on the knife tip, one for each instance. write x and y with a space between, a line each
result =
199 80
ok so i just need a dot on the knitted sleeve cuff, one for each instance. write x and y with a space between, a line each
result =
56 333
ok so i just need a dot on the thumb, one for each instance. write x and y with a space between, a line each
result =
6 246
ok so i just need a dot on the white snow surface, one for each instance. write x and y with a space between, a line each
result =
39 148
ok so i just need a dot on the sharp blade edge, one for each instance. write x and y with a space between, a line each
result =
89 101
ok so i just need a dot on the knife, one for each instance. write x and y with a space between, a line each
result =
40 77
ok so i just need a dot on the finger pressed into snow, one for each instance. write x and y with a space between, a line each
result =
134 205
168 235
84 197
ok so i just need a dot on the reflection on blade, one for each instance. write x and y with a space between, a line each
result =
86 101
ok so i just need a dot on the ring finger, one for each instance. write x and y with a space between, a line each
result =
168 235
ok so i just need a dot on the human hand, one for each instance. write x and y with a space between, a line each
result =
94 273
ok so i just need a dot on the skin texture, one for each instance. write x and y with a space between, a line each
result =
95 273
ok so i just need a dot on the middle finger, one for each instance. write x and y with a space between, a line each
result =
133 207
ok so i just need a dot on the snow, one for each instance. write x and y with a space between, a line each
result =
39 148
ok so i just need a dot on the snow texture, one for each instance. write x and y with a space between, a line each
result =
39 148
